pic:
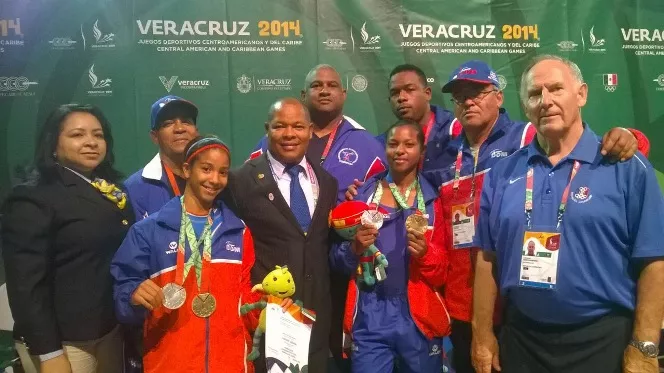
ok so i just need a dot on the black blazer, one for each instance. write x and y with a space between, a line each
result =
58 239
279 240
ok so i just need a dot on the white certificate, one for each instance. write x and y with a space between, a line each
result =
287 337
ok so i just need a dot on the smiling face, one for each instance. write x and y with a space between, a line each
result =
279 283
288 132
81 144
207 174
176 129
404 149
553 98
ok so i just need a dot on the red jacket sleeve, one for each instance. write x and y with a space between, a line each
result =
433 265
642 141
248 258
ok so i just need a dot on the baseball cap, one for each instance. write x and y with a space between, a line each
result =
472 71
169 101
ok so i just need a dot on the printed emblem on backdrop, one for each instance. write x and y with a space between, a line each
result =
610 82
596 44
62 43
244 84
582 195
347 156
567 46
10 34
660 82
502 82
168 83
13 86
641 41
369 42
359 83
100 87
101 40
335 44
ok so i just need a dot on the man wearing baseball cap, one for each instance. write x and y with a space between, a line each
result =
173 125
488 135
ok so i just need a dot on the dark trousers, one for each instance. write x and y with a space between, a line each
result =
527 346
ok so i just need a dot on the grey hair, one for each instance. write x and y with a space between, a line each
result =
525 76
312 74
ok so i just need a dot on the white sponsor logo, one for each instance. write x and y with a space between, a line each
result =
498 154
660 81
62 43
359 83
567 46
200 28
172 247
101 40
435 350
596 44
98 85
512 181
168 83
244 84
369 42
335 44
183 84
502 82
231 247
430 80
14 86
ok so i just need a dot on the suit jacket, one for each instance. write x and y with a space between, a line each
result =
58 239
278 240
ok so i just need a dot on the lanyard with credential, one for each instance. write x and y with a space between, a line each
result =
457 170
563 202
187 233
172 181
330 140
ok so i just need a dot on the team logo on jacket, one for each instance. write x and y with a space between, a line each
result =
498 154
231 247
582 195
347 156
172 247
435 350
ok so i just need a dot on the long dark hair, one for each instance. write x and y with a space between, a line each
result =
45 165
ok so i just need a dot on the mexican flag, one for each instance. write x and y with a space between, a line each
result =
610 80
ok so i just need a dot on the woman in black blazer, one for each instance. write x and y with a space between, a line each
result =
60 231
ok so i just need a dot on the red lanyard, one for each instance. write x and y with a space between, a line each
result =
457 169
172 181
563 202
429 125
330 140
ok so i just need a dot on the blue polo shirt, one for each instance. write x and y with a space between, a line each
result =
613 220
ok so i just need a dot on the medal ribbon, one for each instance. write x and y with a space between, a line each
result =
401 200
330 140
172 181
563 202
187 234
457 170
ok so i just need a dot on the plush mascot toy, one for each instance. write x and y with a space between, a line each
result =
278 284
346 218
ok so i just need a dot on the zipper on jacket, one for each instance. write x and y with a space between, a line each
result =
207 345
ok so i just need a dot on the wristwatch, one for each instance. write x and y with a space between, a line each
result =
648 349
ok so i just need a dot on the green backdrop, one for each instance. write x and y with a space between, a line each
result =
233 58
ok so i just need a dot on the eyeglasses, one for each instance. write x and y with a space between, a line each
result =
477 98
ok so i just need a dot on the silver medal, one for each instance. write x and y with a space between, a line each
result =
174 295
372 218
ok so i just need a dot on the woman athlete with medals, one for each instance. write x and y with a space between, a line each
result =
401 317
185 270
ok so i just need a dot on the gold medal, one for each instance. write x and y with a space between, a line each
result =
204 305
417 222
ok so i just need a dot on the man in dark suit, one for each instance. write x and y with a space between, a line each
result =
285 200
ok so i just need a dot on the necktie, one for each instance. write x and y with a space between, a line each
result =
298 202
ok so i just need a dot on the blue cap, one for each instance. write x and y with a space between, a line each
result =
171 100
472 71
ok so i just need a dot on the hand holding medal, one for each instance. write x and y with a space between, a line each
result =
147 294
417 225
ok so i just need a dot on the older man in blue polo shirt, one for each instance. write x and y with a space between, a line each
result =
589 299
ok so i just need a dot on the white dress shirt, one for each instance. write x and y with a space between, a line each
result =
307 181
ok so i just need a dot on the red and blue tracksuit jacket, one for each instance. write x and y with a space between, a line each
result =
178 340
424 275
354 154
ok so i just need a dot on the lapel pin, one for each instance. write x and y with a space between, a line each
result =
270 197
260 176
